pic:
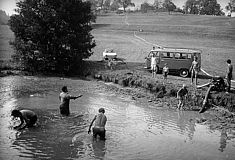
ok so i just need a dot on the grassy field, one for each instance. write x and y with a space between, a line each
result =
5 36
215 36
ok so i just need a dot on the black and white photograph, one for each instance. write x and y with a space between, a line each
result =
117 79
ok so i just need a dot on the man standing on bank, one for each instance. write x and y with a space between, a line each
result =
64 98
194 70
100 122
229 75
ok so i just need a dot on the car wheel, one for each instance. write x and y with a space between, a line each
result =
184 73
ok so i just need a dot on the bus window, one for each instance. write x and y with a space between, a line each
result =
189 56
167 55
181 56
184 56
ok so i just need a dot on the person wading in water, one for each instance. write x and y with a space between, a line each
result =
100 122
64 98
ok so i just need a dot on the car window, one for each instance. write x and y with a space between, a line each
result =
167 55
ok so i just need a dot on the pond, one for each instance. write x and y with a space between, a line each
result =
134 130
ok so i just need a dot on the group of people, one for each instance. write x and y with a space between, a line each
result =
183 92
28 118
154 69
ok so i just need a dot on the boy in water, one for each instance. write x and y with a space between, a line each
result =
64 98
26 116
99 128
165 72
182 95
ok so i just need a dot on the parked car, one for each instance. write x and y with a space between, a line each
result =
109 53
179 60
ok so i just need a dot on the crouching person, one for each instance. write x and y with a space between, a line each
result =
26 116
182 95
99 127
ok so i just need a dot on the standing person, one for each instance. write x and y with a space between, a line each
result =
165 72
229 75
110 63
182 95
153 65
100 122
64 98
194 70
26 116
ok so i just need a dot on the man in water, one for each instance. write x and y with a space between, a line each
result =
64 101
181 95
194 70
229 75
99 128
26 116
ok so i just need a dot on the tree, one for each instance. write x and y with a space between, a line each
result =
169 5
157 4
192 6
52 35
144 7
114 6
210 7
125 3
231 6
107 4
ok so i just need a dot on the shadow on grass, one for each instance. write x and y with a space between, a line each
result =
97 26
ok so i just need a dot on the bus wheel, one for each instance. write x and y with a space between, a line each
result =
157 69
184 73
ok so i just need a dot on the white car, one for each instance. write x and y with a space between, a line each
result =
109 53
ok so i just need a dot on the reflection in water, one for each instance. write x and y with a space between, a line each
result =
186 124
98 147
134 131
223 139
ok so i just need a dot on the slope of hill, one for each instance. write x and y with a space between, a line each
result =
3 18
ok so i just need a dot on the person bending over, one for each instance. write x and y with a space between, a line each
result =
182 95
99 127
27 117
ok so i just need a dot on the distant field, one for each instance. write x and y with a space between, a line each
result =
5 36
215 36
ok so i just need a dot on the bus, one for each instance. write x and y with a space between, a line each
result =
179 60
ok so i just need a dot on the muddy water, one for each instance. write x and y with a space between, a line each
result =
134 130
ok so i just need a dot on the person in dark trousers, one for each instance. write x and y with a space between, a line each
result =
229 75
27 117
64 98
100 122
165 72
182 95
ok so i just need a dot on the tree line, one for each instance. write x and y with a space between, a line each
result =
203 7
